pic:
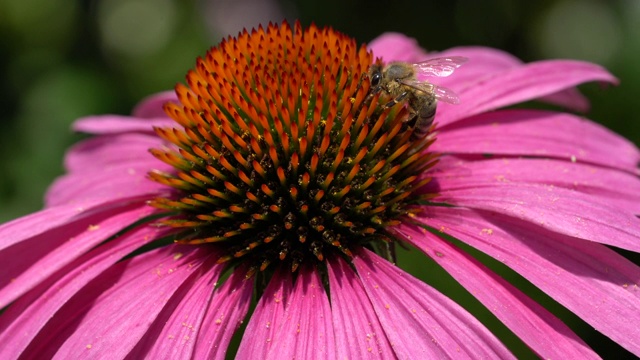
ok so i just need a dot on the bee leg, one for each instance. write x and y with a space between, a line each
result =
397 99
371 94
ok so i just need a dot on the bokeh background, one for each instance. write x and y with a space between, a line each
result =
63 59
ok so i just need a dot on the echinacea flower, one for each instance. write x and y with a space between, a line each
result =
279 175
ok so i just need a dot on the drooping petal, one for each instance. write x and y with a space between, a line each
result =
32 260
594 282
604 185
520 84
306 330
539 134
175 331
151 107
110 315
22 321
420 322
269 311
40 222
119 124
225 312
560 210
538 328
359 334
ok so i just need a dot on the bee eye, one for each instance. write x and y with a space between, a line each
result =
375 79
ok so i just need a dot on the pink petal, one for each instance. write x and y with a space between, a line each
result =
101 151
175 331
358 332
420 322
107 318
484 63
37 224
40 222
118 124
151 107
32 260
605 185
306 331
109 165
539 329
119 182
24 319
541 134
553 208
587 278
570 98
270 311
520 84
397 47
224 316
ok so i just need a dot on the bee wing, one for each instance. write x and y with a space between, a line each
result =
440 92
440 67
445 94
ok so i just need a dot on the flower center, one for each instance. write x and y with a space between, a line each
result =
282 152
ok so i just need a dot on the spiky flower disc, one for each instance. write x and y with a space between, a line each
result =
282 153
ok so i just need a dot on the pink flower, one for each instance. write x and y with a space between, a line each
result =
546 193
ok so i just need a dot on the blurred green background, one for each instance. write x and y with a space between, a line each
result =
63 59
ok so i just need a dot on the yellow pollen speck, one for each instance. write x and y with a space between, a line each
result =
89 346
625 285
177 256
93 227
171 336
387 306
486 231
441 229
573 158
218 321
353 100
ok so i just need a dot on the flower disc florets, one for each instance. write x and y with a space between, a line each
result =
283 154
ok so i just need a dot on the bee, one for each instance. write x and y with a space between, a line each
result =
400 80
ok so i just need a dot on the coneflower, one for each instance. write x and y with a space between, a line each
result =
277 173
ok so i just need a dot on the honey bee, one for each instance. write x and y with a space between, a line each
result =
400 80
